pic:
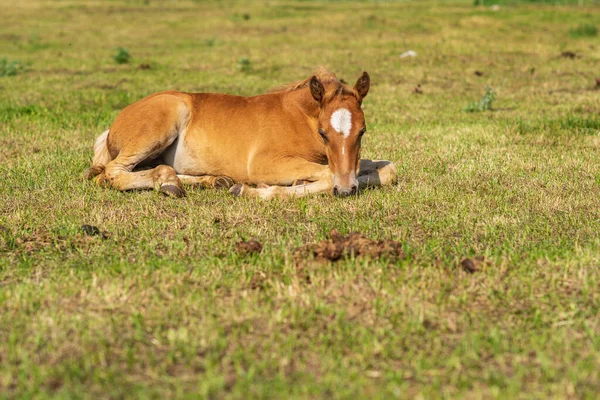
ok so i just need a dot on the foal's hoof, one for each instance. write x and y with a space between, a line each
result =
172 190
93 172
223 182
237 189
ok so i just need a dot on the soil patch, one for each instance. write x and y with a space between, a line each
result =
249 247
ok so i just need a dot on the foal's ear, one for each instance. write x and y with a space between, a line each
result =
316 89
362 85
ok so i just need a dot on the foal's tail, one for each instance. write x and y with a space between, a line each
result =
101 157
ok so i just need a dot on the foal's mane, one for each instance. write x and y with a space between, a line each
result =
333 86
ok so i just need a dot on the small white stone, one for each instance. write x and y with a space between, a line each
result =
409 53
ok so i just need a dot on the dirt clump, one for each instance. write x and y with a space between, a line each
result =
249 247
91 230
475 264
569 54
352 245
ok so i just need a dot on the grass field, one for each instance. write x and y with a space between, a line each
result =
162 305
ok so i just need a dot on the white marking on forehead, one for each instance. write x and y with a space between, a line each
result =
341 121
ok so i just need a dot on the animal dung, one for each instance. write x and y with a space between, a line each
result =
352 245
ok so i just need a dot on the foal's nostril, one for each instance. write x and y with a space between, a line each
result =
345 192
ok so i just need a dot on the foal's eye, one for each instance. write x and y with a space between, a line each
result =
362 132
323 135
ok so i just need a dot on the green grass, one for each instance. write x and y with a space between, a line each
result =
10 68
164 306
584 30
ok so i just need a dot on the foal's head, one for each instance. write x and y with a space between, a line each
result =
342 125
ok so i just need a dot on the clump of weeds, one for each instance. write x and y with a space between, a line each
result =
484 104
244 65
10 68
122 56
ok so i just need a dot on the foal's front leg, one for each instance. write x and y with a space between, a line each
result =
283 174
324 185
373 173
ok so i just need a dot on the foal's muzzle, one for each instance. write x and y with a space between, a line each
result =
345 192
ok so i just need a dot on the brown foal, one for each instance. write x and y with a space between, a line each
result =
308 131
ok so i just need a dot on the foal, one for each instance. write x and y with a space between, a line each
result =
308 131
